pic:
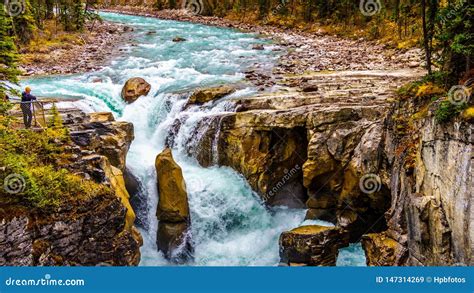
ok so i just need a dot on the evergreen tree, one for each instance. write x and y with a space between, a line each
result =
24 24
78 15
457 39
263 7
8 56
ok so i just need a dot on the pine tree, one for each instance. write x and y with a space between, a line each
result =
78 15
8 56
56 120
24 24
457 39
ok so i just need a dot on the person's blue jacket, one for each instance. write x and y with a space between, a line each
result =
25 97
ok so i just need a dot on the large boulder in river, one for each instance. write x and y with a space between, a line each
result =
205 95
173 235
135 88
173 204
312 245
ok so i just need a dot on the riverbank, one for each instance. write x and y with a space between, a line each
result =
68 53
305 51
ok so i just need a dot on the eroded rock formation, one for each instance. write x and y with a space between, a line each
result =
205 95
93 231
430 218
135 88
316 149
331 138
311 149
174 235
271 158
103 135
312 245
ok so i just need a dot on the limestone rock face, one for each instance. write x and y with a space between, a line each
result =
102 136
135 88
310 149
89 234
173 236
431 188
117 183
381 250
270 159
312 245
205 95
95 231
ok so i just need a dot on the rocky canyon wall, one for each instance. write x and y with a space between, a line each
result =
94 231
350 152
430 220
309 149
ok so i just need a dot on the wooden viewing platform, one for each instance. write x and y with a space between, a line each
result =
42 110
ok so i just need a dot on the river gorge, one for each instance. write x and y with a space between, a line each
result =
269 157
230 224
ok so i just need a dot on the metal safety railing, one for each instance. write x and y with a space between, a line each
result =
41 110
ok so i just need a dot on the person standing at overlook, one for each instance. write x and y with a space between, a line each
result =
26 106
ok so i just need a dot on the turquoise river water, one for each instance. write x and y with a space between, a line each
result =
230 226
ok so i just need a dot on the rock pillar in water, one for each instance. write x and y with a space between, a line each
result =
173 236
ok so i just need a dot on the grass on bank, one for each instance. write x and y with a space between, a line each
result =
36 157
50 38
431 90
381 28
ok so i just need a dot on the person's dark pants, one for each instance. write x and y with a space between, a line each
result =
27 114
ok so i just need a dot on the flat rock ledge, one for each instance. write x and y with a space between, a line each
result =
98 231
312 245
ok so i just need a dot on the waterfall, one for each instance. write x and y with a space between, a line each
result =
215 142
230 225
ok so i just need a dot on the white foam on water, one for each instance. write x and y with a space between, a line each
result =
230 225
